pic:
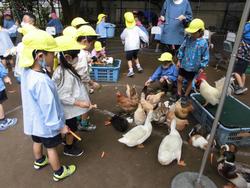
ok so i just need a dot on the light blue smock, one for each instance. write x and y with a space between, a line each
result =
5 42
173 29
42 111
8 24
101 29
3 73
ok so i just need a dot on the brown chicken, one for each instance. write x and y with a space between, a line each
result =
127 104
181 112
155 99
180 123
147 106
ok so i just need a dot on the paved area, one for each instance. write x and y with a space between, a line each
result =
121 166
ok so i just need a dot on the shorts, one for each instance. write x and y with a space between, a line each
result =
132 54
3 96
186 74
240 66
72 124
48 142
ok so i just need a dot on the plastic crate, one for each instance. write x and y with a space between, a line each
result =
224 134
107 73
110 31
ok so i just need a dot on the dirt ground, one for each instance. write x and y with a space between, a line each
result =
121 167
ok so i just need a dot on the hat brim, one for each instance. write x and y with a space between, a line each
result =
130 24
162 59
98 49
189 30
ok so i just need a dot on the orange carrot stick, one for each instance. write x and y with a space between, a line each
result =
76 136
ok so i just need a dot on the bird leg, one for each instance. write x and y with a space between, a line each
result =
211 157
140 146
181 163
229 185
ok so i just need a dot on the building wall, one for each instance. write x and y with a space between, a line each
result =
213 13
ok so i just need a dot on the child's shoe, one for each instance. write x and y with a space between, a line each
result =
7 122
139 68
130 74
38 164
67 171
240 90
73 151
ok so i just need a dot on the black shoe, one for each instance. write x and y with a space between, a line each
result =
73 151
174 98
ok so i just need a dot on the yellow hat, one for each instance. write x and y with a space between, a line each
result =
70 31
86 31
195 25
35 40
25 29
166 57
98 46
66 43
99 18
78 21
129 19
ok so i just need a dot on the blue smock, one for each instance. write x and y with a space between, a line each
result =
3 73
173 29
42 111
57 24
8 24
171 72
101 29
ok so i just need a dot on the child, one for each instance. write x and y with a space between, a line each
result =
131 36
243 59
165 75
86 36
4 122
193 57
98 53
101 29
72 92
42 111
158 36
6 44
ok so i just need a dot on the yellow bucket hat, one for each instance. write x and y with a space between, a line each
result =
166 57
70 31
195 25
99 18
35 40
86 31
129 19
66 43
25 29
98 46
78 21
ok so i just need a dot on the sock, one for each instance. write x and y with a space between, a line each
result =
130 69
59 171
2 120
84 123
41 159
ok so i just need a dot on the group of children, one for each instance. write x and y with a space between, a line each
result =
57 102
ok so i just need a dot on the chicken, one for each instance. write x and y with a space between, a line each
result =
180 123
212 94
155 99
197 140
139 115
159 114
147 106
126 103
128 91
181 112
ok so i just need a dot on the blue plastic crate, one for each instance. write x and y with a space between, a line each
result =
110 31
106 74
224 135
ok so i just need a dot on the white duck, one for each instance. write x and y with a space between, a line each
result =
138 134
170 147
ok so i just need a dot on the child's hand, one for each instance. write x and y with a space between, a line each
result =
181 17
201 70
178 65
162 79
7 80
96 85
147 83
82 104
65 130
162 18
92 106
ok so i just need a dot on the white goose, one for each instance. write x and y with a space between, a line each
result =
170 147
138 134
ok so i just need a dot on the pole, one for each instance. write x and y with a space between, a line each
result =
224 92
